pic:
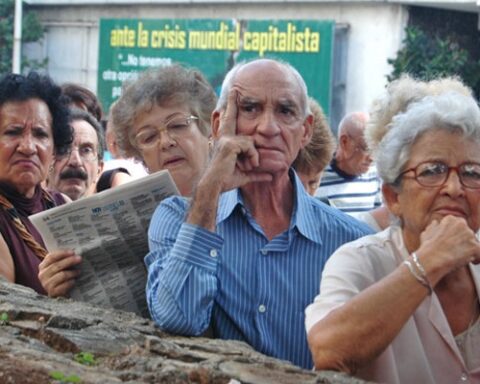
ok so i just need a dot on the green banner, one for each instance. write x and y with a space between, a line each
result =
128 46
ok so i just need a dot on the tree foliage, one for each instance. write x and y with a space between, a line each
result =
32 31
426 56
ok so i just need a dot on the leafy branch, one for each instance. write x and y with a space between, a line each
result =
429 56
32 31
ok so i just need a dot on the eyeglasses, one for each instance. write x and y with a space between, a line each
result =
174 127
436 173
86 153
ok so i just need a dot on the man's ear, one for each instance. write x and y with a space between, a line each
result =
343 142
390 198
215 122
307 130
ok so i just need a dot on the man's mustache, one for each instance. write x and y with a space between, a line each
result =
73 173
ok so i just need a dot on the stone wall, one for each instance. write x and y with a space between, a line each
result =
45 340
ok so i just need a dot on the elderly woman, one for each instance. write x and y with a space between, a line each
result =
402 306
33 127
163 119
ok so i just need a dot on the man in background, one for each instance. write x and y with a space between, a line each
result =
75 172
350 183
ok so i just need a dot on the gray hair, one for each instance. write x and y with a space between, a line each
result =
352 122
316 155
398 95
77 114
450 111
230 76
159 86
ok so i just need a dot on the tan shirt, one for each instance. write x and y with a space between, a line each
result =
425 350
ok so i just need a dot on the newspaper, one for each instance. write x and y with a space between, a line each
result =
109 230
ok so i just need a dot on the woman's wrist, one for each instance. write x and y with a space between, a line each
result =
418 271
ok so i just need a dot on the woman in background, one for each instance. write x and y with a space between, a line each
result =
163 119
33 128
317 154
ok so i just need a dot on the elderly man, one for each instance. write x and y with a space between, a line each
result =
243 256
75 173
350 183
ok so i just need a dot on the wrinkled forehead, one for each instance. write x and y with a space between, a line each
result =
25 109
262 78
84 133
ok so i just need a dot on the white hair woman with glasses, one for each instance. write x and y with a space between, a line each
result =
402 306
163 119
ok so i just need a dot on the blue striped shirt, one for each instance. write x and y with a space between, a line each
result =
235 280
350 194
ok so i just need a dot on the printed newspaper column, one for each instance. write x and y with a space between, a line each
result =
109 229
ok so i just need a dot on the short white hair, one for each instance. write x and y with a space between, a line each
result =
450 111
230 76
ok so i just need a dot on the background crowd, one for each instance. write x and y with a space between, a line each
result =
356 254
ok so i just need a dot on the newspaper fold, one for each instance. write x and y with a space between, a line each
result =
109 230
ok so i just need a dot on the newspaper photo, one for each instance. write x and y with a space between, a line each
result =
109 230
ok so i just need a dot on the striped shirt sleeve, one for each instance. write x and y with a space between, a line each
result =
181 265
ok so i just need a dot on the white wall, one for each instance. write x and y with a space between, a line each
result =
376 31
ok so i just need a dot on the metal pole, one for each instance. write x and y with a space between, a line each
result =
17 38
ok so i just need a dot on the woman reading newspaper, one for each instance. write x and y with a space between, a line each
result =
163 120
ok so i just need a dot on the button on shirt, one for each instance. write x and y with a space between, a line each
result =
237 281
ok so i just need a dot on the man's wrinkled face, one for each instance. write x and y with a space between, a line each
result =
270 110
358 158
76 173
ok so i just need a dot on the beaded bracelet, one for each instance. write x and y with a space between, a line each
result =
418 277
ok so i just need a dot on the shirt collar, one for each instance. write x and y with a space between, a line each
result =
228 202
345 175
303 218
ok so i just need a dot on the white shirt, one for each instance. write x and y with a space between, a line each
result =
351 194
425 350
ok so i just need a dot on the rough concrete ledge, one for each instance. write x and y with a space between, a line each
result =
42 340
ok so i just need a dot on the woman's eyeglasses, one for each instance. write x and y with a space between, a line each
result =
174 128
436 173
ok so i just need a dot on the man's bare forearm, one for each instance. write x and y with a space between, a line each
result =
203 210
